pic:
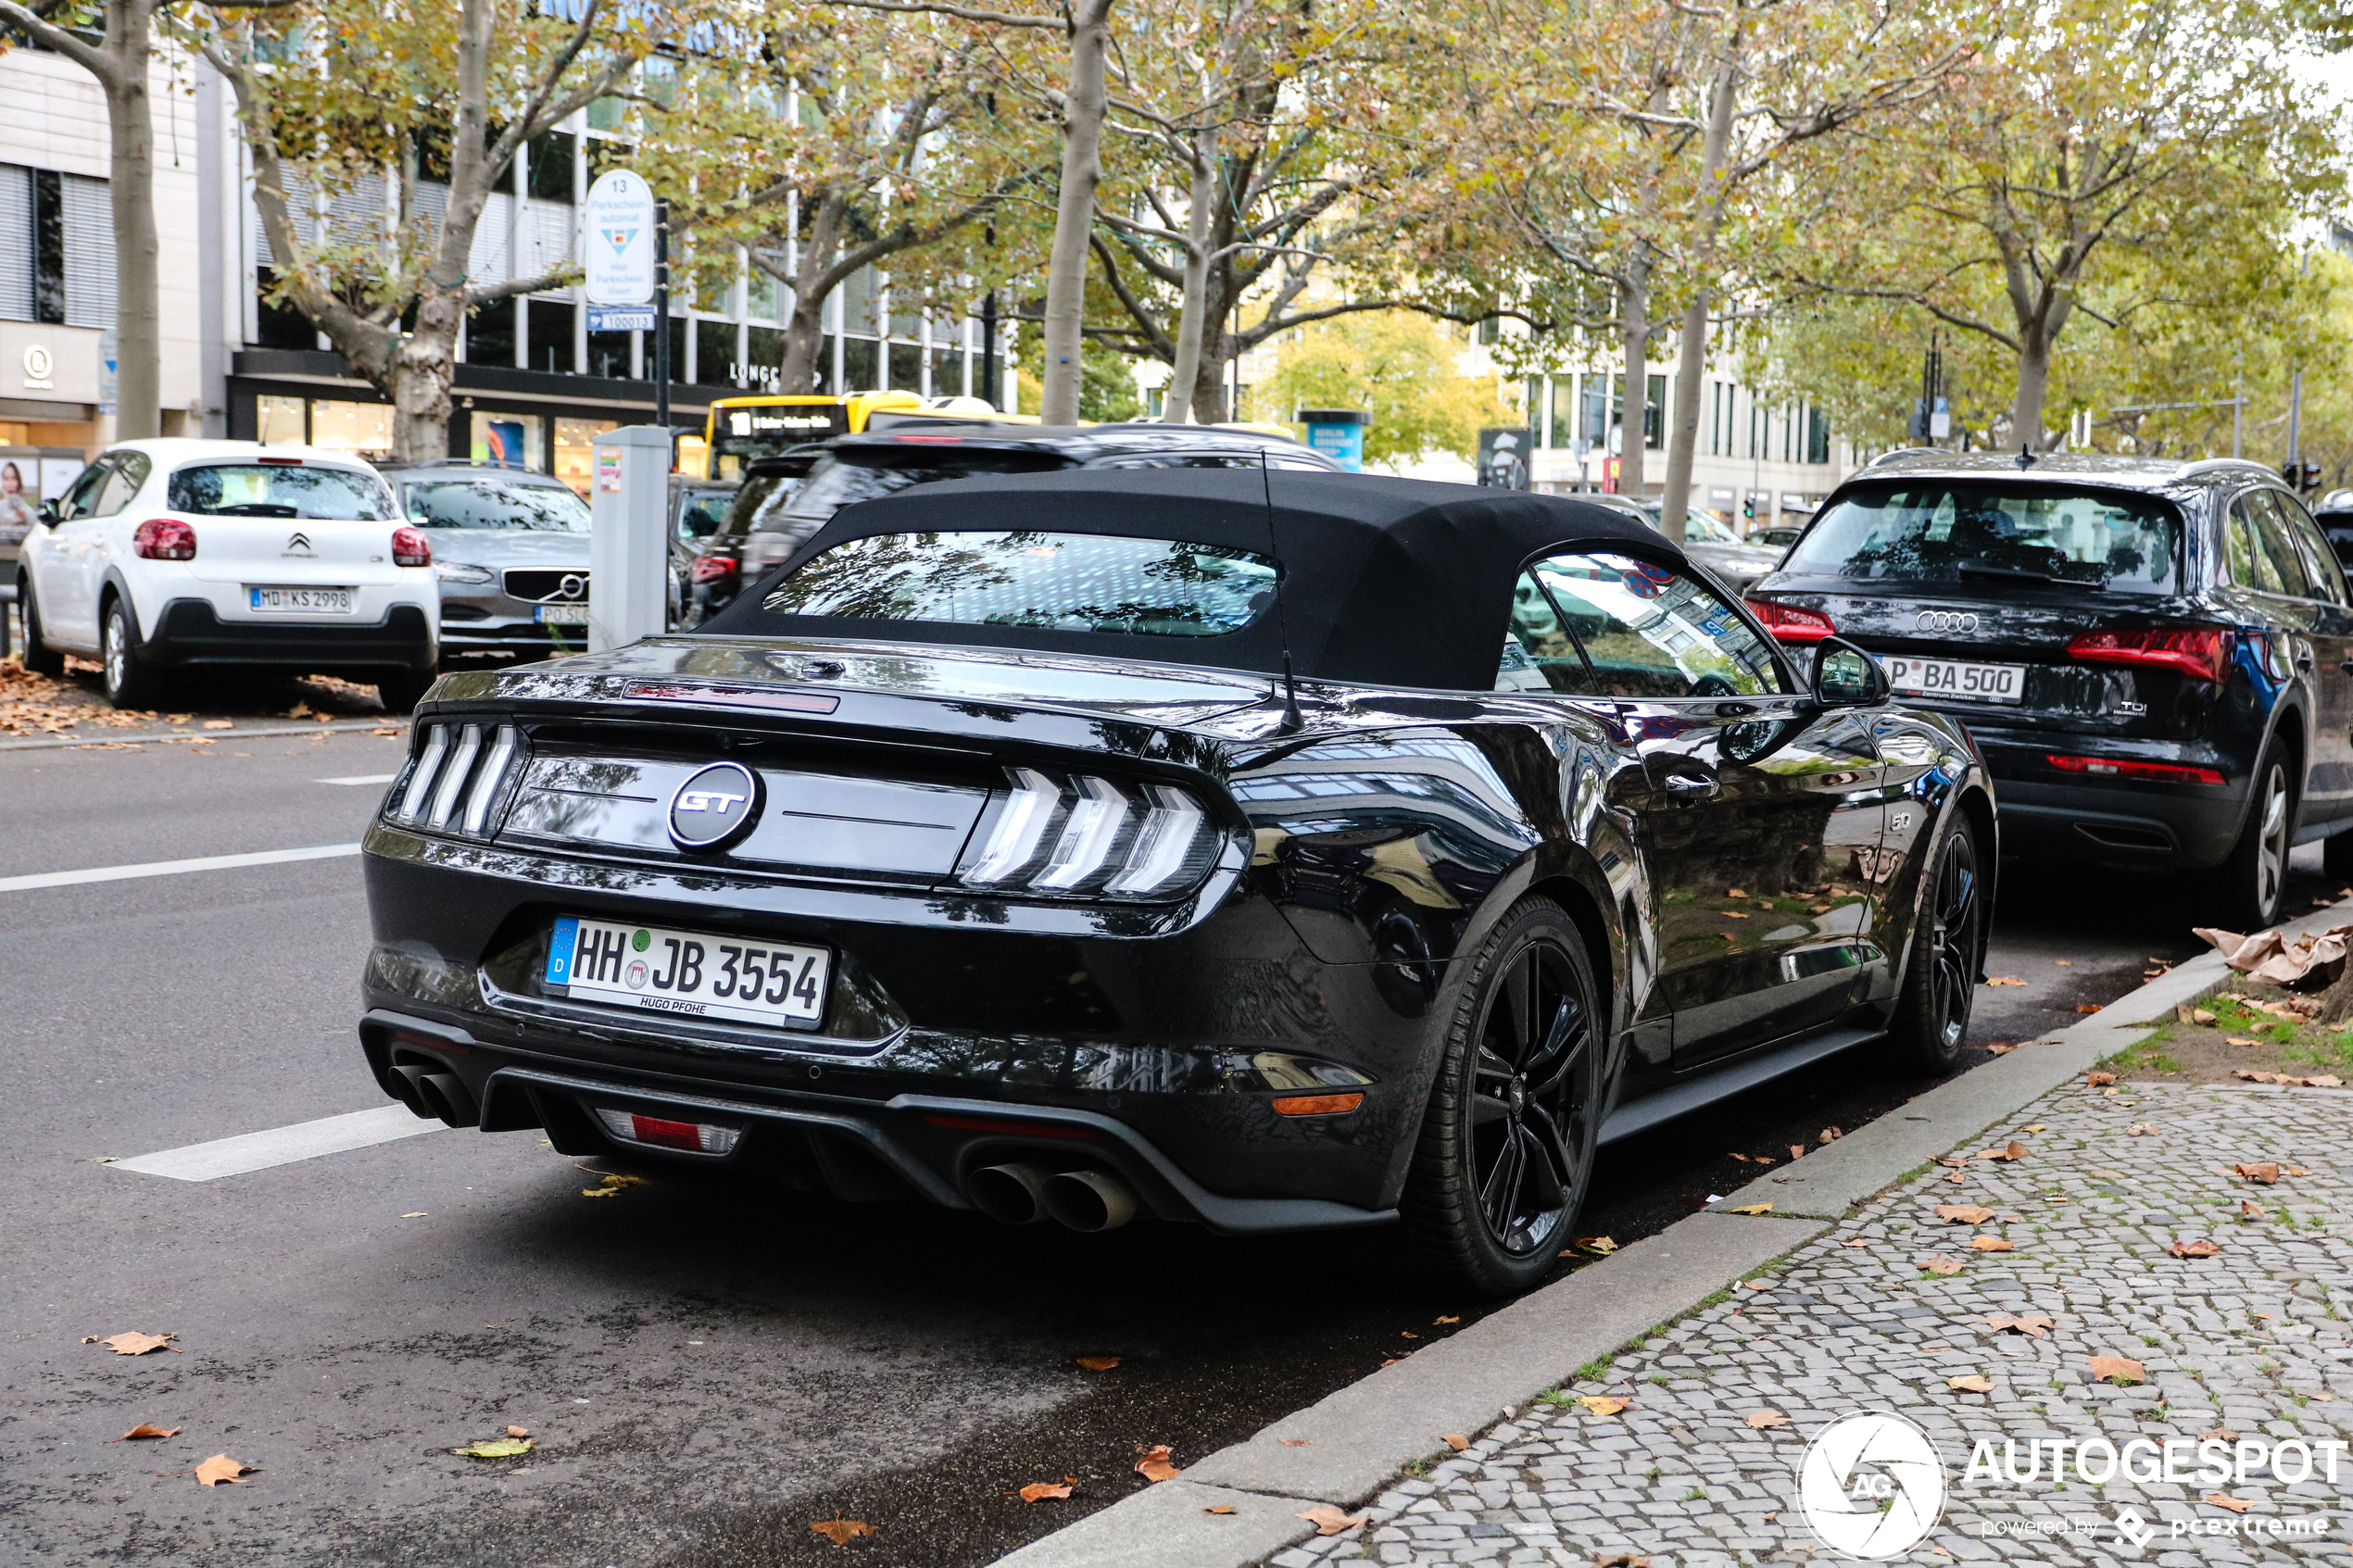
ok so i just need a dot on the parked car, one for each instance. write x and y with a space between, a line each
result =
510 548
703 563
2333 512
1777 539
2153 654
1276 850
1736 562
906 449
172 556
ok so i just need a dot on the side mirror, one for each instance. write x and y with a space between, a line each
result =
48 514
1844 676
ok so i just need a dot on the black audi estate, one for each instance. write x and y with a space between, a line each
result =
2155 658
1271 851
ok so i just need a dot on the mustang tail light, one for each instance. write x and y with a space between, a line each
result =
457 779
658 1132
711 568
1790 624
2121 768
164 538
1082 835
410 548
2203 653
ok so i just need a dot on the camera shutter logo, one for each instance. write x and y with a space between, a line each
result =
715 806
1872 1486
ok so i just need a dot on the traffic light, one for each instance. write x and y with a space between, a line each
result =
1748 509
2301 476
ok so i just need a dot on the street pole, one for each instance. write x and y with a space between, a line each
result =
661 317
2238 419
989 349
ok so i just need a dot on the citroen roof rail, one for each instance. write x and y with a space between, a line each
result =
2221 465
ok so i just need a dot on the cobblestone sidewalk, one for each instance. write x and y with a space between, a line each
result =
2254 1341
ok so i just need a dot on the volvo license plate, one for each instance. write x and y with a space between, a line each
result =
1955 678
301 601
563 615
688 973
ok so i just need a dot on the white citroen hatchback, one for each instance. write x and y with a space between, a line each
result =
170 556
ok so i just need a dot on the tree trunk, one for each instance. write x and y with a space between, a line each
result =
422 367
805 331
132 190
1191 326
1082 107
1690 357
2033 382
1634 335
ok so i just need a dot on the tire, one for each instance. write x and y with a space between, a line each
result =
403 689
39 657
1940 971
130 682
1505 1153
2245 891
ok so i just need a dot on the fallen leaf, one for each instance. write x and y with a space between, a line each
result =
1759 1420
1097 1364
2035 1128
2238 1040
219 1468
1036 1490
1741 1157
841 1531
1408 1334
1457 1319
1829 1135
2199 1249
144 1430
2188 1014
1733 914
1971 1384
1957 1177
1735 892
1219 1508
1296 1442
2248 1211
1594 1243
1455 1440
300 710
1754 1284
1603 1404
2222 1433
2099 1079
1753 1209
2236 1505
2035 1325
2001 1047
1943 1266
1858 1241
2064 963
2266 1173
1963 1213
2117 1368
1626 1558
614 1182
137 1344
2294 1171
1991 1244
2008 1154
2086 1007
518 1431
1155 1465
2004 979
1797 1151
495 1448
1329 1520
420 1214
2141 1129
219 724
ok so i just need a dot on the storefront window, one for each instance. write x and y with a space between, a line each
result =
278 422
716 361
906 367
515 441
760 293
576 457
362 430
694 456
858 363
609 355
551 334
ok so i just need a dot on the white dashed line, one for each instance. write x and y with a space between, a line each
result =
282 1146
173 868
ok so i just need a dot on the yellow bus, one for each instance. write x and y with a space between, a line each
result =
740 429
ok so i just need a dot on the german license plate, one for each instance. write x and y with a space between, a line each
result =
1955 678
688 973
301 601
563 615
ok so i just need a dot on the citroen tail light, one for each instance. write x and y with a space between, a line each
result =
164 538
2203 653
1080 835
410 548
1790 624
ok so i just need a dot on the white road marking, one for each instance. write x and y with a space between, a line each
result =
361 779
282 1146
173 868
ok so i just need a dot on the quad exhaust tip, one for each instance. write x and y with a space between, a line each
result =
1023 1192
1011 1194
433 1095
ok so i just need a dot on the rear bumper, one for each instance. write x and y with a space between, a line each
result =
190 633
2119 822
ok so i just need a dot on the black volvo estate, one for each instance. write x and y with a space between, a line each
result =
1269 850
2156 657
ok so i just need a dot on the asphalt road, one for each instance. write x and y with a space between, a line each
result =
708 1369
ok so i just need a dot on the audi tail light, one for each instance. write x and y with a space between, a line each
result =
711 568
164 538
2203 653
458 779
1790 624
410 548
2121 768
1081 836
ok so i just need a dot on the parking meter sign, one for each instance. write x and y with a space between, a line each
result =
619 266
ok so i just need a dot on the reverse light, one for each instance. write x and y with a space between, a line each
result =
1790 624
2123 768
1085 834
711 568
2203 653
658 1132
410 548
164 538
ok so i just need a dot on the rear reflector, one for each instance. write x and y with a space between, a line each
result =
2203 653
1015 1129
2120 768
1790 624
1316 1105
657 1132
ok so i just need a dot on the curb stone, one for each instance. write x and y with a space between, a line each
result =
1364 1435
341 726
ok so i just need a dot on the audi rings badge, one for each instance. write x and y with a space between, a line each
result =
1944 621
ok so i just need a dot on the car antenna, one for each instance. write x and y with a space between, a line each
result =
1292 721
2025 455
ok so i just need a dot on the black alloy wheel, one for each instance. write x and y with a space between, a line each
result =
1505 1155
2245 891
1940 980
39 657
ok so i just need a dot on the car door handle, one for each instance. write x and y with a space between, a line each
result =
1690 787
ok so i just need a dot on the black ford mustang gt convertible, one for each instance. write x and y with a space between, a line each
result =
1270 851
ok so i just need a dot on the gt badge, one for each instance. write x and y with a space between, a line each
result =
715 807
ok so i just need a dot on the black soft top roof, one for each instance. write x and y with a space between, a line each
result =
1386 582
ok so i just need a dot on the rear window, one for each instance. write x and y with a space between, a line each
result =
279 490
846 477
495 502
1981 531
1059 581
